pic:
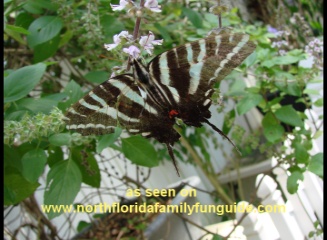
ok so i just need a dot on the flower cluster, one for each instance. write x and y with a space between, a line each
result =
146 43
151 5
315 50
282 45
128 43
315 47
30 128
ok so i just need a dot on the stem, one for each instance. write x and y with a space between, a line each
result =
136 31
211 176
219 15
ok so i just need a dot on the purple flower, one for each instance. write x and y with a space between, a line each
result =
117 40
271 29
132 51
148 41
152 5
122 5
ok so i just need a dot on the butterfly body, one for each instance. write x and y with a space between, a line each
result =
175 84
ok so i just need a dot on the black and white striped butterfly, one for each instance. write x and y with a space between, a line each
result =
175 84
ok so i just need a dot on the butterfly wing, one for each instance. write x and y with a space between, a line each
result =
118 102
190 71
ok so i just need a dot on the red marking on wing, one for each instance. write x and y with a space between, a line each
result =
173 113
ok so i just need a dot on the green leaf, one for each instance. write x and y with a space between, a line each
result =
16 187
63 183
20 82
37 6
316 164
110 25
65 38
36 105
248 102
292 181
55 155
15 35
17 29
272 130
288 114
75 93
82 225
140 151
319 102
97 76
43 29
12 157
23 20
281 60
33 164
216 237
163 31
229 119
193 16
46 49
88 166
108 139
301 153
60 139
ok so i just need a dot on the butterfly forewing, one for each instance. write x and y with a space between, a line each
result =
190 71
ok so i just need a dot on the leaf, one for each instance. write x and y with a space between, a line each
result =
33 164
301 153
55 155
82 225
229 119
108 139
216 237
292 181
193 16
140 151
36 105
17 29
319 102
75 93
97 76
37 6
60 139
16 187
272 130
63 183
163 32
316 164
287 114
46 49
110 25
88 166
23 20
248 102
65 38
20 82
15 35
12 157
43 29
281 60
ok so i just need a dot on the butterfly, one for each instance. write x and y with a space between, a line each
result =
177 84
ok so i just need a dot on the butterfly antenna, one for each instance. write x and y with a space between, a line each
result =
171 154
222 134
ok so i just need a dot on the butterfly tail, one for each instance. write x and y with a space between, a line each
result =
221 133
171 154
